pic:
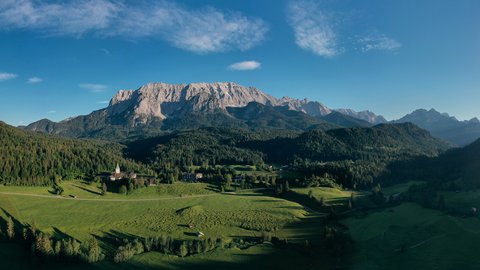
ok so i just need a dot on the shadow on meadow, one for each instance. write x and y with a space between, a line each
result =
87 190
17 225
58 234
110 240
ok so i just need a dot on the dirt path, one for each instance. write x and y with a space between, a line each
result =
123 200
109 200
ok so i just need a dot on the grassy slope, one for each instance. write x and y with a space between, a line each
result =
464 199
84 190
219 215
433 240
402 187
331 196
214 214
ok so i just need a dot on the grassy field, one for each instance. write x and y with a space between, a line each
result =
403 237
216 215
166 209
331 196
84 190
463 199
400 187
429 240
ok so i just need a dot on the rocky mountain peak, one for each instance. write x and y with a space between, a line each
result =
163 100
120 96
368 116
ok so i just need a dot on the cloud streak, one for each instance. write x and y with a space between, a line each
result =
93 87
34 80
313 28
205 30
379 42
245 65
317 29
7 76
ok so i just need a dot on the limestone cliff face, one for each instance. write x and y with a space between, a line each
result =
161 106
163 100
313 108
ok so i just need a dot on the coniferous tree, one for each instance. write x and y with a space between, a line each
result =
92 251
182 250
321 201
104 189
10 228
122 189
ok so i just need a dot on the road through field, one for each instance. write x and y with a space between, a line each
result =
121 200
110 200
58 197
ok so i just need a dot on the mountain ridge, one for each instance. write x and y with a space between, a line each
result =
157 107
151 105
444 126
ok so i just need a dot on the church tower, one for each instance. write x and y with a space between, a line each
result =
117 169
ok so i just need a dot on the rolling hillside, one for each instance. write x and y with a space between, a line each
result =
33 159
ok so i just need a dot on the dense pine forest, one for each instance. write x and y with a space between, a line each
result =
28 158
351 157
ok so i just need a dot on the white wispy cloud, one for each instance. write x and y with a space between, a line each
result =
313 28
103 102
94 87
7 76
105 51
377 41
74 18
51 112
245 65
34 80
203 30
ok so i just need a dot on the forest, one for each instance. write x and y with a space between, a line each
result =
352 157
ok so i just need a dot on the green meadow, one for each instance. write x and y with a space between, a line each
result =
81 213
411 237
401 237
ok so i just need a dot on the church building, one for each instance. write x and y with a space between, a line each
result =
119 175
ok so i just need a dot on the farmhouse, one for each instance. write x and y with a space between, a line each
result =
119 175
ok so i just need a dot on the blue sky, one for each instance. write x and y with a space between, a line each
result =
65 58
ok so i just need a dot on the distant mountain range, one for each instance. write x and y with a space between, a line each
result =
445 126
158 107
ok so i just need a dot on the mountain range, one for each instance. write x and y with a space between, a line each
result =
158 107
445 126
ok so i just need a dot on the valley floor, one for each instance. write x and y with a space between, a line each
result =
406 236
81 213
411 237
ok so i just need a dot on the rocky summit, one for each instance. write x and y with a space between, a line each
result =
162 100
156 106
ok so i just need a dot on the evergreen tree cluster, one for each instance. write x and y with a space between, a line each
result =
166 245
49 248
28 158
